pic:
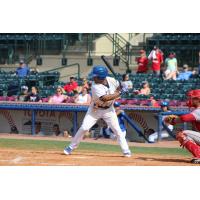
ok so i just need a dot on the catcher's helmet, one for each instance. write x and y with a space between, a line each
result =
100 72
164 104
192 94
117 104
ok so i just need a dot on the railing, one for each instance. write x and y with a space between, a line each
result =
14 79
63 67
121 48
29 58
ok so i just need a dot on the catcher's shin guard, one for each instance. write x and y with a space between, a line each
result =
190 145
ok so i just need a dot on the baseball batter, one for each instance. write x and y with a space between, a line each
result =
104 91
188 138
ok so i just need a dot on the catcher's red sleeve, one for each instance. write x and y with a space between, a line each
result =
187 118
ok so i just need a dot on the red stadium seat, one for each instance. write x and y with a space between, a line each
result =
183 103
173 103
144 102
3 98
12 98
45 100
132 101
123 101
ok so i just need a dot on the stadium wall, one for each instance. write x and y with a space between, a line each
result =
45 120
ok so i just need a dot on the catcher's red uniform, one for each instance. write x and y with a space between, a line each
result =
142 64
194 118
191 139
188 138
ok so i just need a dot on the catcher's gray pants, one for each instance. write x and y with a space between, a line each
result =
193 135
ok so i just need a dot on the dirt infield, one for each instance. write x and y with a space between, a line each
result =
12 157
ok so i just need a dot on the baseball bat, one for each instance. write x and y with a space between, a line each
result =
110 68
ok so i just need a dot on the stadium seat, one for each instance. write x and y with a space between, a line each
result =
45 100
13 88
194 80
156 96
3 98
45 93
1 92
144 102
142 97
132 101
173 103
169 91
123 101
11 98
184 45
166 96
128 95
178 97
157 90
182 103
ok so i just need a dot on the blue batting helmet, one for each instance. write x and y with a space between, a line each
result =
117 104
164 103
100 72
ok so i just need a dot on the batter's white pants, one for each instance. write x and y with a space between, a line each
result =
154 136
114 137
110 117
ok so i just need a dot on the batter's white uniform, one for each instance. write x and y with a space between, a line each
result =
108 115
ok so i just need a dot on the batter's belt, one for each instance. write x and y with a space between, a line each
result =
106 107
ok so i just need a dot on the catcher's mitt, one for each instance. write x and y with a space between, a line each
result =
170 119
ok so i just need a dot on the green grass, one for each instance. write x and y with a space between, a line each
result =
59 145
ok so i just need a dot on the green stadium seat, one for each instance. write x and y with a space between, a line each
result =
169 91
127 96
194 80
157 90
155 95
166 96
178 96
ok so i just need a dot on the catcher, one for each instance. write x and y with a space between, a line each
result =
188 138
